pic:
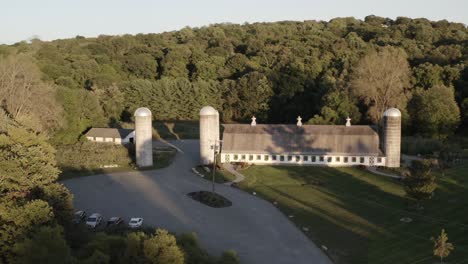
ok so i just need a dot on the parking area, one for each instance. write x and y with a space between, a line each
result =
252 227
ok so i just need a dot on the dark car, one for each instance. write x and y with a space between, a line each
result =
114 221
79 217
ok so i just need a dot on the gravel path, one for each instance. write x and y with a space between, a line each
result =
239 176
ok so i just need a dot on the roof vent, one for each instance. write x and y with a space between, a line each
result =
299 121
253 121
348 122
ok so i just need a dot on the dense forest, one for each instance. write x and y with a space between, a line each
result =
51 92
323 71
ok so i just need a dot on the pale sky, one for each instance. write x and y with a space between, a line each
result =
52 19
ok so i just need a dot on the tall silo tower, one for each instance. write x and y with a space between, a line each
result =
209 134
143 137
392 137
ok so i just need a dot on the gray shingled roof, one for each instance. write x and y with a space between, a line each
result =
108 132
308 139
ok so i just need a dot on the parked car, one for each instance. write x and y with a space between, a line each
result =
114 221
94 220
79 217
135 222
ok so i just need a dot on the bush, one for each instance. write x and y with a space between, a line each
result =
86 155
240 165
229 257
192 251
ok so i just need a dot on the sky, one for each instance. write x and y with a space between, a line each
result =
53 19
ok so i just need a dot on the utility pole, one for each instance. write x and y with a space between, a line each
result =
217 144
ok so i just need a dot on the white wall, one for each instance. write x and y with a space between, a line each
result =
113 140
264 159
127 138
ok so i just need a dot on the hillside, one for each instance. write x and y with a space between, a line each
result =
275 71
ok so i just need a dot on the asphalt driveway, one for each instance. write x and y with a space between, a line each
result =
252 227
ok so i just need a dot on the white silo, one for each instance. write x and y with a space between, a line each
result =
143 137
209 134
392 137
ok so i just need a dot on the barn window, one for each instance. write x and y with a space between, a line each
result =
337 159
329 159
379 160
314 158
298 158
236 157
289 158
306 158
250 157
354 159
345 159
243 157
361 159
281 158
266 157
322 158
273 157
259 157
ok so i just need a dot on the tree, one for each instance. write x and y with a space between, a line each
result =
420 183
134 249
141 65
434 111
337 107
111 98
229 257
23 95
28 175
46 245
442 247
27 162
162 248
82 111
381 80
17 222
19 76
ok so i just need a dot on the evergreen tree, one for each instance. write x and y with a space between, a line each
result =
442 247
162 248
420 183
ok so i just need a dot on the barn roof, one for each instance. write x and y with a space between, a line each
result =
108 132
307 139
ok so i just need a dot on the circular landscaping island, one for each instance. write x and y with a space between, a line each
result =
210 198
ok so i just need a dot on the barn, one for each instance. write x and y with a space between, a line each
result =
298 144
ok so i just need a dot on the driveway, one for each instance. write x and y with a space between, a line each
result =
253 227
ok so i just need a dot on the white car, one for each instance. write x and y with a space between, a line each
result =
135 222
94 220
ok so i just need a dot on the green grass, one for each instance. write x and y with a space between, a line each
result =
177 129
357 214
221 176
161 159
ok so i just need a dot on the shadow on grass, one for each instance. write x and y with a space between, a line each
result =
179 129
341 210
162 158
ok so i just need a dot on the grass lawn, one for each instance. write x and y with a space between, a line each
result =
357 214
177 129
221 176
161 159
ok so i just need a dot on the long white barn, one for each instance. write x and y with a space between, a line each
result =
326 145
302 145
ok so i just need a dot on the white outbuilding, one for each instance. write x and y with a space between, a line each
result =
111 135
